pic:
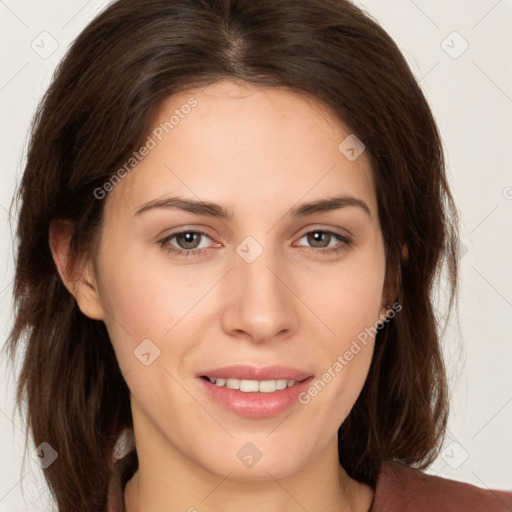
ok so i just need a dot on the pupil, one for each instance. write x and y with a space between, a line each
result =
317 236
188 239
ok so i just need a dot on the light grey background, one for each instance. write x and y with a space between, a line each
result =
470 91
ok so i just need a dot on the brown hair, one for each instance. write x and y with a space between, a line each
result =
98 110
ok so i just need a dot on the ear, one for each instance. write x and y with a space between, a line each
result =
392 284
77 276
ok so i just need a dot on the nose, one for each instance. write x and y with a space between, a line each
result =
260 303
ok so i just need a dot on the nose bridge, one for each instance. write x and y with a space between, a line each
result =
256 268
260 304
257 271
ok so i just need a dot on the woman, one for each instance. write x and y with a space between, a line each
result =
232 216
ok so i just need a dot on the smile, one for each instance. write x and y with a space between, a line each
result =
254 392
248 386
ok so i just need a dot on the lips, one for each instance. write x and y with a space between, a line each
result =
255 392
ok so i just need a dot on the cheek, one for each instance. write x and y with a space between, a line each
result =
349 299
346 358
136 302
358 307
153 301
349 303
138 289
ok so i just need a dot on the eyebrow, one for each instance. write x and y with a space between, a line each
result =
218 211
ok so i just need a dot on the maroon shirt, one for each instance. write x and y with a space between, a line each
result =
399 488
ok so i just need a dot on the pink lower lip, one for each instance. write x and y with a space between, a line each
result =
255 404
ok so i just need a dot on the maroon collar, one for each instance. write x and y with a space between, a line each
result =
402 488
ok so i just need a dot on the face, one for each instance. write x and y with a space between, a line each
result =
259 282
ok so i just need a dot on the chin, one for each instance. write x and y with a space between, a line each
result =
258 459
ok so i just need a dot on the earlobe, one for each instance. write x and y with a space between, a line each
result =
405 253
77 276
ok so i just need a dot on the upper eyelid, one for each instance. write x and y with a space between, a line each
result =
312 227
179 232
325 230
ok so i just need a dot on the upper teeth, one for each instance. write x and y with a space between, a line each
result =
263 386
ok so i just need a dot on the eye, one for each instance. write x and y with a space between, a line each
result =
187 242
323 241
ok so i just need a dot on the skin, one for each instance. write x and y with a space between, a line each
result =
258 152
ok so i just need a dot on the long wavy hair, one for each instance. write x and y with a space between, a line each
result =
98 110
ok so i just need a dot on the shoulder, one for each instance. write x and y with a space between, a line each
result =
403 488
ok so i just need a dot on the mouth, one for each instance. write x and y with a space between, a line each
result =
253 386
255 392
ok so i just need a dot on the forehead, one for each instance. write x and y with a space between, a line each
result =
230 140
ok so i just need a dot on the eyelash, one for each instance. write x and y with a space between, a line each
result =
345 243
